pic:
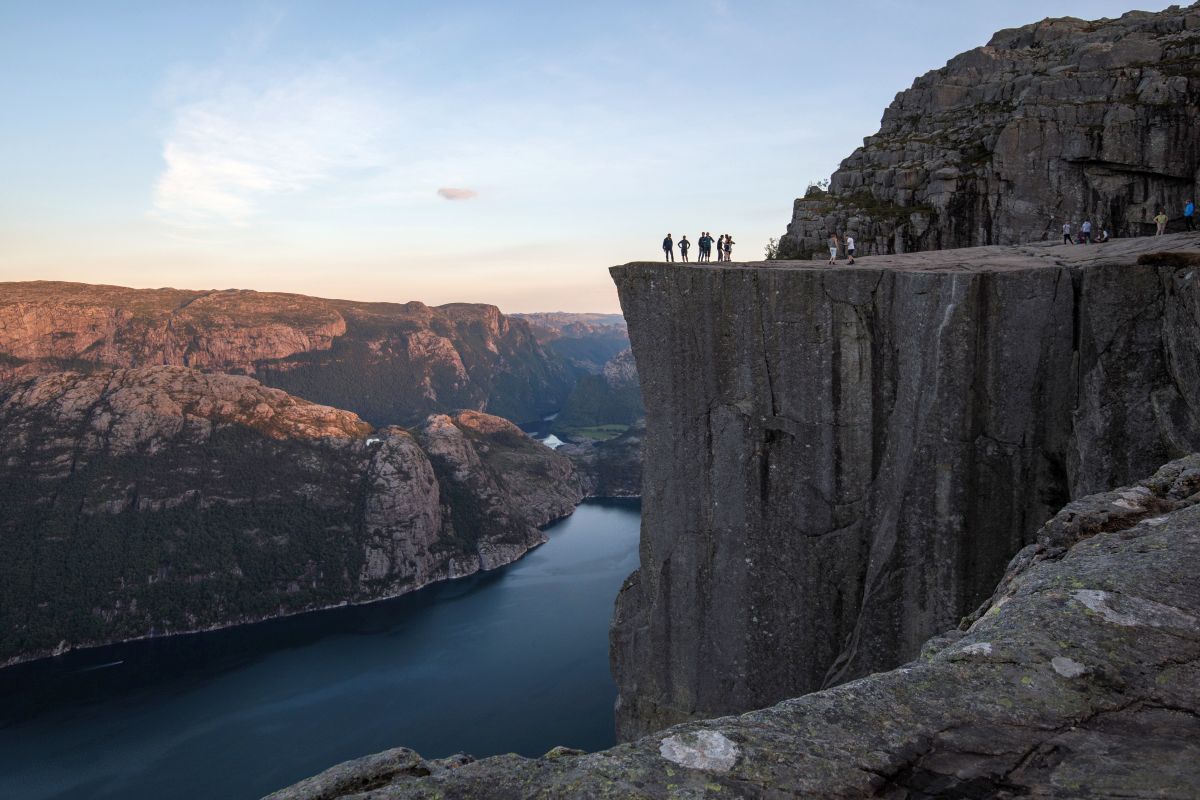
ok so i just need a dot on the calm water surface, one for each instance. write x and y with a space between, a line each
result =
515 660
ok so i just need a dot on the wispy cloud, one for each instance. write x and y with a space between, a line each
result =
234 147
451 193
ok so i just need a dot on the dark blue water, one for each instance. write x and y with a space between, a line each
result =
514 660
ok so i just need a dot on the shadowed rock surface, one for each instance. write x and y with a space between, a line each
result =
160 500
390 363
840 462
1080 678
1064 120
611 468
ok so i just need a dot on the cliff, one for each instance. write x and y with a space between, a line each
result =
141 502
1060 121
390 363
1079 678
612 396
839 462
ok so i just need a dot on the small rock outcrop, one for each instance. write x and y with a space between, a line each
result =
1080 678
158 500
390 363
1064 120
840 462
611 468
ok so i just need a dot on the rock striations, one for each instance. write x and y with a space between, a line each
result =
156 500
390 363
1060 121
1079 678
840 462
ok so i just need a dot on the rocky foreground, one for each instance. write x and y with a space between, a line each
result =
1059 121
159 500
840 462
1080 677
390 363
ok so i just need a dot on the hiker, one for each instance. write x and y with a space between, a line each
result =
1189 216
728 247
850 247
706 243
701 246
684 246
669 248
833 248
1161 219
1067 233
1086 230
1103 237
721 247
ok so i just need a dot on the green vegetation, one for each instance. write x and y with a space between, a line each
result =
599 433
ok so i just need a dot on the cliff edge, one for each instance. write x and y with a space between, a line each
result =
839 462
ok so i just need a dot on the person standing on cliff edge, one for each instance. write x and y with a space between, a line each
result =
669 248
1189 215
1161 220
684 246
728 247
833 248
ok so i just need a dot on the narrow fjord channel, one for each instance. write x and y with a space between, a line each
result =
514 660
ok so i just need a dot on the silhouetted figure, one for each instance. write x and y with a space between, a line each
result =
728 247
1161 221
684 246
669 248
1189 215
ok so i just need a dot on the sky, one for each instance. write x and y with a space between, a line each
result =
506 153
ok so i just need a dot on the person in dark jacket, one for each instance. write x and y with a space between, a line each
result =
1189 215
669 248
684 246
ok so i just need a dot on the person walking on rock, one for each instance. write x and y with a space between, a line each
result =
1086 230
669 248
833 248
1189 216
850 247
684 246
1067 233
1161 220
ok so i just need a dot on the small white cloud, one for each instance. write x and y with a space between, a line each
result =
451 193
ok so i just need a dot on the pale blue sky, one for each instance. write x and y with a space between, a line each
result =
301 146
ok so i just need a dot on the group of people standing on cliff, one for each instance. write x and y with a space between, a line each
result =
724 247
1085 235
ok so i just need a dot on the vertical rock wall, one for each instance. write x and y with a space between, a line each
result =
839 463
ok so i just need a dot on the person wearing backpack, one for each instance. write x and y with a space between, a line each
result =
669 248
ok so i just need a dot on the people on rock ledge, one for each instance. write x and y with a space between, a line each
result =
705 244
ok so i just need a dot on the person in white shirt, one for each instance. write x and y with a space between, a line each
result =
850 248
1067 233
1086 230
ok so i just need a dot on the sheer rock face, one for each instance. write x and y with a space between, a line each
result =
142 502
388 362
1079 678
840 462
1060 121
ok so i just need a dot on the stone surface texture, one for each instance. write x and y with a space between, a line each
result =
611 468
157 500
390 363
1064 120
840 462
1079 678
